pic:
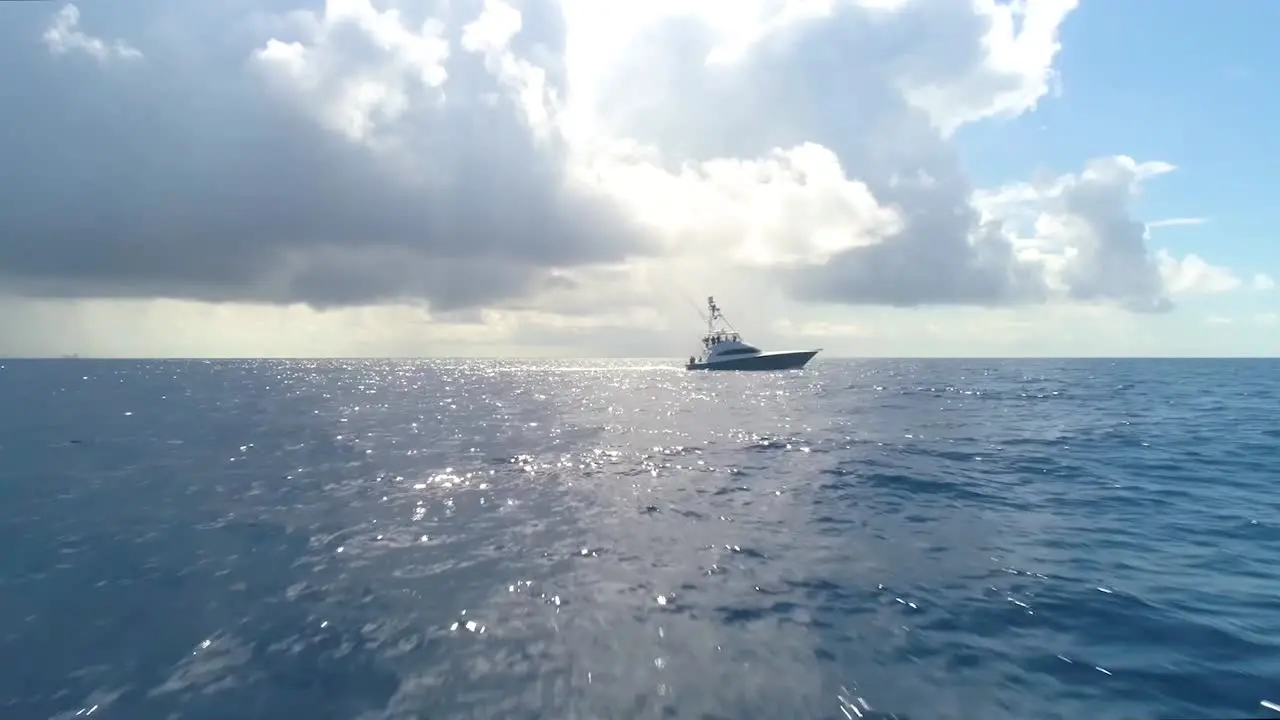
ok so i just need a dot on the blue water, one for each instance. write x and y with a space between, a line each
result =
486 539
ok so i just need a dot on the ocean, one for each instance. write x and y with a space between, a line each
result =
920 539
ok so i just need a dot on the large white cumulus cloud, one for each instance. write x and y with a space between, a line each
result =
536 155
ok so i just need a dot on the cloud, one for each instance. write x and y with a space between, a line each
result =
179 328
1176 222
1263 282
309 155
569 166
64 36
1079 228
1192 275
889 220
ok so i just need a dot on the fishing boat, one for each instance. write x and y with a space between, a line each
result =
724 349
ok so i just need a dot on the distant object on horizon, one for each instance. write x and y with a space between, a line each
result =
723 349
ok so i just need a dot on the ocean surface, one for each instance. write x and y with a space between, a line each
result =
624 539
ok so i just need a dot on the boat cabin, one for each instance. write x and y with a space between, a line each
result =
726 343
721 343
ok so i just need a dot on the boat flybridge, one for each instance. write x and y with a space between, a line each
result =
724 349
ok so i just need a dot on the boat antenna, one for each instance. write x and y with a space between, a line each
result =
716 314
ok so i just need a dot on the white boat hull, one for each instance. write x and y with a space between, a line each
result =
782 360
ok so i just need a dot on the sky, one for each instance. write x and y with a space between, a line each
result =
306 178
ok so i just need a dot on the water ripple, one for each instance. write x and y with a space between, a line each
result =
880 539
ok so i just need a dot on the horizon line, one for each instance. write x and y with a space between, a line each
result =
610 358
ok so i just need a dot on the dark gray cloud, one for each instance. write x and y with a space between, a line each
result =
187 174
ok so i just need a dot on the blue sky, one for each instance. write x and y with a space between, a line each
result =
1193 83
